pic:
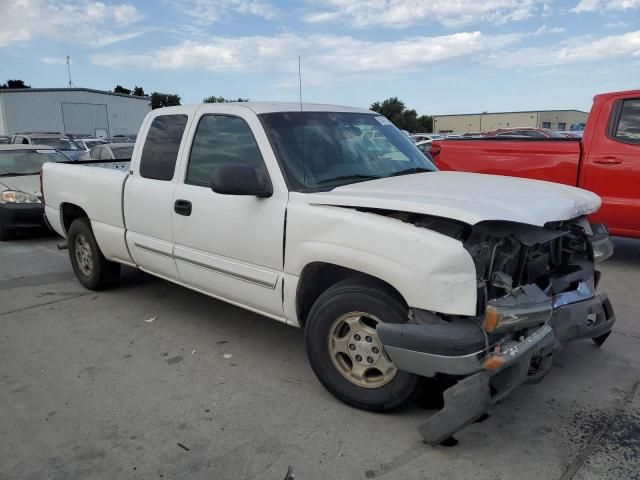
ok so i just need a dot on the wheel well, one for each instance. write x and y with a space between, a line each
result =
317 277
71 212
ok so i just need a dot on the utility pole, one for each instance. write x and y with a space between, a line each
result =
69 70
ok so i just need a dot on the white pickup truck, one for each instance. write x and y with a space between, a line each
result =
330 219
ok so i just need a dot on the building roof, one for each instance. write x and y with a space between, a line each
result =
74 89
515 111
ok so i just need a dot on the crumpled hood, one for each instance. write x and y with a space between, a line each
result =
27 184
467 197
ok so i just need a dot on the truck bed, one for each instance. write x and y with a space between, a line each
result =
551 159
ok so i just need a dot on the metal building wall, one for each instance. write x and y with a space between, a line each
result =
42 110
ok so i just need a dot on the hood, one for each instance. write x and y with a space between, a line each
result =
468 197
27 184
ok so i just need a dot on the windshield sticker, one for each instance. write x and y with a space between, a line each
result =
382 120
46 151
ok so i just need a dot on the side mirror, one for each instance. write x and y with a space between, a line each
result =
240 180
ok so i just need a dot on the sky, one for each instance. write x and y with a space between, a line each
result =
438 56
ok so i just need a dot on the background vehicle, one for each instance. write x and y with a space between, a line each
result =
606 160
122 139
59 141
110 151
88 143
4 140
526 132
20 199
392 267
421 137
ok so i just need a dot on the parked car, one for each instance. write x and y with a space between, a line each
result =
526 132
577 127
122 139
110 151
4 140
606 160
421 137
88 143
20 198
58 141
395 270
424 146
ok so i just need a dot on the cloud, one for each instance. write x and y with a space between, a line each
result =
544 29
599 5
575 50
87 23
207 12
403 13
323 56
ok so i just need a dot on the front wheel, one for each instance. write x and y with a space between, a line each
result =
346 353
92 269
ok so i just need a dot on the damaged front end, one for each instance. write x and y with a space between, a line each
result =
535 290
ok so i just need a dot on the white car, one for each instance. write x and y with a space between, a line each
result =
88 143
395 270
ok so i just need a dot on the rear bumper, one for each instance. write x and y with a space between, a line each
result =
502 363
16 216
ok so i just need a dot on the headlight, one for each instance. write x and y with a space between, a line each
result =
10 196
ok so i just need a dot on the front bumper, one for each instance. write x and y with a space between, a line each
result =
492 365
16 216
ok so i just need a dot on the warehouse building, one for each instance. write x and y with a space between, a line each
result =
488 122
72 111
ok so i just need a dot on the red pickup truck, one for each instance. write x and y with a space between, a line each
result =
606 160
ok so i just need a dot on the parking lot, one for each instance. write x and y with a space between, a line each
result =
151 380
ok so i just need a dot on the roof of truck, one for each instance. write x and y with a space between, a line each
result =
273 107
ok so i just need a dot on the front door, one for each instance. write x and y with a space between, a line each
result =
613 167
230 246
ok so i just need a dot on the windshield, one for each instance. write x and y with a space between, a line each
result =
27 162
58 143
320 150
122 153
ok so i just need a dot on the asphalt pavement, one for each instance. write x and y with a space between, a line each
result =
151 380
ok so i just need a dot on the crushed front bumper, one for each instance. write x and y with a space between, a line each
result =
490 366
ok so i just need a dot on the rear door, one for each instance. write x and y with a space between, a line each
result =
148 193
613 166
230 246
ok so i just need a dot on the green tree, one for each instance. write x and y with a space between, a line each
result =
159 100
214 99
121 89
138 91
407 119
15 83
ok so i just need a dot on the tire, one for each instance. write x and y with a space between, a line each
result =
332 320
7 234
92 270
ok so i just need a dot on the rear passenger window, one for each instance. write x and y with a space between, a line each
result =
221 140
628 126
160 150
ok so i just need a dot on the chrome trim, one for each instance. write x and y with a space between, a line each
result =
153 250
583 292
228 273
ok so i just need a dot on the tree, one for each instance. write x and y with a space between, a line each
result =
214 99
402 117
138 91
121 89
159 100
14 84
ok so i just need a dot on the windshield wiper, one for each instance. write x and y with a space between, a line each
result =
349 177
409 171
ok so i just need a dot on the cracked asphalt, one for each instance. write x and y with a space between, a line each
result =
150 380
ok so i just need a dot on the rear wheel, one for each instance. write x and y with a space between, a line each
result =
345 351
92 269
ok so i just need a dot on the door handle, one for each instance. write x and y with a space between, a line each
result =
182 207
607 160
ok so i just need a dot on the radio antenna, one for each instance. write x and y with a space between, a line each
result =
300 82
69 70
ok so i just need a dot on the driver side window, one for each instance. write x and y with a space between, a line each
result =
221 140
